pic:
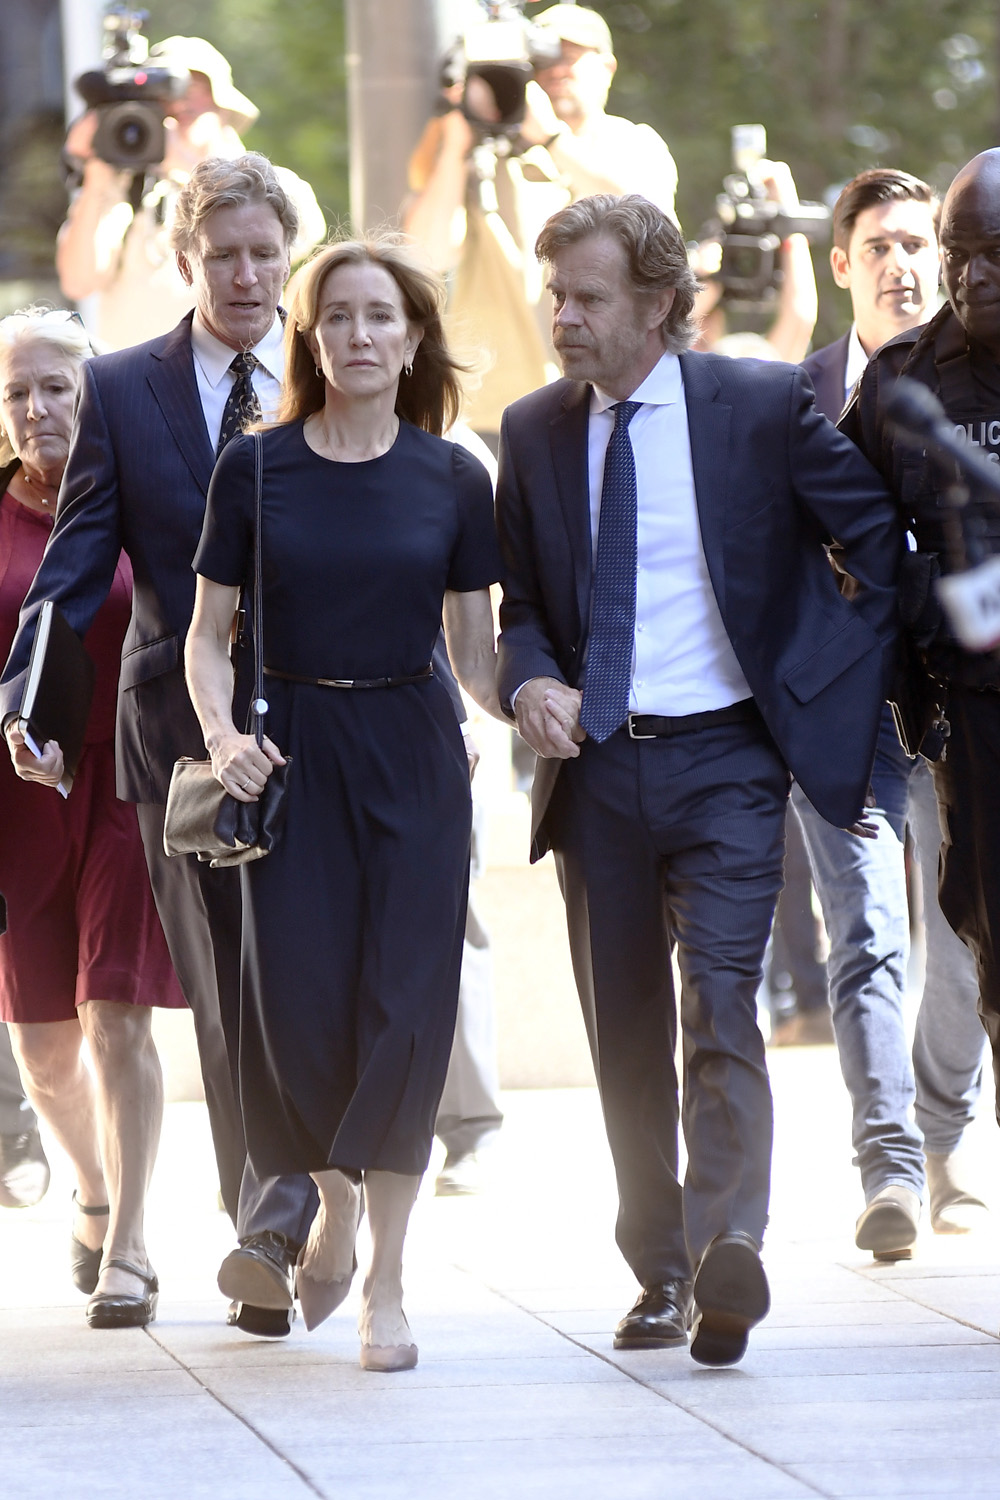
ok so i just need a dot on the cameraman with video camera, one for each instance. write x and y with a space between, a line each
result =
755 257
500 158
154 116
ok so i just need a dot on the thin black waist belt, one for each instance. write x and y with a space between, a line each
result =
353 682
657 726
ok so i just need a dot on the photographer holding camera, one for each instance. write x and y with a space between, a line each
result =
487 174
739 279
115 241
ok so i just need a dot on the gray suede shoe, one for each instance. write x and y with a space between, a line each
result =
954 1207
888 1226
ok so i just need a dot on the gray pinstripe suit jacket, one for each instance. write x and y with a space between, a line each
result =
137 477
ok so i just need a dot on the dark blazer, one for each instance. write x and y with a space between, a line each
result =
827 369
137 477
774 480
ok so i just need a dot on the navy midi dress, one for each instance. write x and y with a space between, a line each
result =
353 925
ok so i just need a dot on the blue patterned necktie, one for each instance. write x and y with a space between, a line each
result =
242 406
608 680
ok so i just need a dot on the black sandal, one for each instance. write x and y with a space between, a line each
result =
119 1309
84 1263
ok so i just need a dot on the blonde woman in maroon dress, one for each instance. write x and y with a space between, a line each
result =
83 957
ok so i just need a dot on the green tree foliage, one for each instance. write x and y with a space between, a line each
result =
289 59
840 85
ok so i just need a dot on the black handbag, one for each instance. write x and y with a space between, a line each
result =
202 817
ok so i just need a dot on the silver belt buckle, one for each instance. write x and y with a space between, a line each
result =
631 729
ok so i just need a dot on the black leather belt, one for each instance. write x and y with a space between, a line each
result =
352 682
657 726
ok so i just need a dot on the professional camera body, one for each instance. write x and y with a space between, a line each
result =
130 98
503 50
750 227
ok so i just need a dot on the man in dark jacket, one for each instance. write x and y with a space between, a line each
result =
957 356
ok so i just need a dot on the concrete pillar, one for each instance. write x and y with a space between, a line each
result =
394 50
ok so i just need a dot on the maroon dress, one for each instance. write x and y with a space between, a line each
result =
81 924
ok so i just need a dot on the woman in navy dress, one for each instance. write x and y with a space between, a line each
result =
372 528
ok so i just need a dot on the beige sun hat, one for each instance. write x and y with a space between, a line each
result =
577 24
199 56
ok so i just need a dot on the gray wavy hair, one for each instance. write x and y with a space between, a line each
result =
655 253
218 183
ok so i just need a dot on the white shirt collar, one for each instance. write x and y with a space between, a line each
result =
215 357
661 387
857 360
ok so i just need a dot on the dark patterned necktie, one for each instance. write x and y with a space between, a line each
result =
242 406
612 613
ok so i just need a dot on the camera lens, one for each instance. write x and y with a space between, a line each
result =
130 134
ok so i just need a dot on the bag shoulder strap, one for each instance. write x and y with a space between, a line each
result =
259 706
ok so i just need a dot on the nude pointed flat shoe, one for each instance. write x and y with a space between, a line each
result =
388 1358
318 1299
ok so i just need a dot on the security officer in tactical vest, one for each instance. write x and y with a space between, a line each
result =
950 697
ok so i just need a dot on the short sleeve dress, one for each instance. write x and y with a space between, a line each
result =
353 925
81 924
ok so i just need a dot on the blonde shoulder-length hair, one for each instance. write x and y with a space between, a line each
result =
431 396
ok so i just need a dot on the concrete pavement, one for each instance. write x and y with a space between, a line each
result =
864 1382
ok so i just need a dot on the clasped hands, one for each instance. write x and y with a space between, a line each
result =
548 718
241 765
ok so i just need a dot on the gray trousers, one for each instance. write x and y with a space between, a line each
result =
948 1040
16 1114
469 1116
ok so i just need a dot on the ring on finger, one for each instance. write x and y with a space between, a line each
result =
246 784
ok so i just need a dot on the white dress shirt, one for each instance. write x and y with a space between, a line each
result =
857 361
212 359
683 661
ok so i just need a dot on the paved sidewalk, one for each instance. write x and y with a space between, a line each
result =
864 1382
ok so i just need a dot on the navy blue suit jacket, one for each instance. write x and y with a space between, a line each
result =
827 369
137 477
774 481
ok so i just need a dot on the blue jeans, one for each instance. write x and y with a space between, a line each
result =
949 1040
861 884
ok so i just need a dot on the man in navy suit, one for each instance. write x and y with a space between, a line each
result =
885 254
147 427
673 645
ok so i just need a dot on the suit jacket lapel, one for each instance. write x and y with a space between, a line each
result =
568 439
709 422
172 380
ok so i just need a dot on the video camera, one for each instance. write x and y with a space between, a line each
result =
130 98
503 50
750 227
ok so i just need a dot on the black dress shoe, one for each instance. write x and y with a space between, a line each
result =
84 1263
265 1322
121 1310
260 1272
731 1295
660 1318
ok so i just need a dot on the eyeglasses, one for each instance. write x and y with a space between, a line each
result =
45 317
